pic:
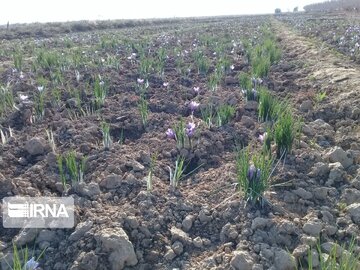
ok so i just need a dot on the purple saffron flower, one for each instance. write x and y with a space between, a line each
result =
256 81
251 172
258 174
262 137
193 105
170 134
253 80
190 129
31 264
254 92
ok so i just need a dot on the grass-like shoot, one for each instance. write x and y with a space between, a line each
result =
70 168
177 174
105 129
286 129
143 109
253 173
100 92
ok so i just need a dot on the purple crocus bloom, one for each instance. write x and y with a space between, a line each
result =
256 81
190 129
31 264
170 134
262 137
258 174
253 80
254 92
251 172
193 105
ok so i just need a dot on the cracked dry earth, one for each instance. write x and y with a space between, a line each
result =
205 224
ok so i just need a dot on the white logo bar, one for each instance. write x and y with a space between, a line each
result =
38 212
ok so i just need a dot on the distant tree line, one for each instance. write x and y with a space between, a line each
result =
334 5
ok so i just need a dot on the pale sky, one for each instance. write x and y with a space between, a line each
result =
20 11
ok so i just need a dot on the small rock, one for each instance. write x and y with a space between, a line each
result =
308 240
354 211
228 232
266 252
209 263
170 255
312 227
177 247
307 130
115 242
198 242
330 247
336 173
242 260
351 195
319 169
251 105
248 122
80 230
306 195
206 242
90 190
46 235
204 216
300 251
35 146
284 260
321 193
321 125
337 154
286 227
330 229
327 217
132 221
260 223
71 103
135 166
187 223
355 113
177 234
111 181
88 261
23 161
306 106
257 267
25 236
6 185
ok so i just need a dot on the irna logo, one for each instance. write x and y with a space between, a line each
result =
38 212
